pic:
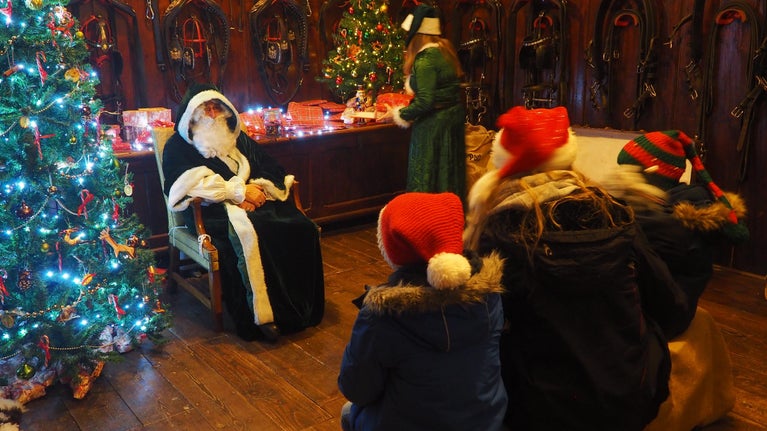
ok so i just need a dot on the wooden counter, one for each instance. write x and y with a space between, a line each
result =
342 174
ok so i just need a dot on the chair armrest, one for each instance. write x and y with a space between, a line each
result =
206 244
297 197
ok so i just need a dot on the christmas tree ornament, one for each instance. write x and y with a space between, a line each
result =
25 371
24 211
45 247
34 4
52 190
7 320
25 279
72 74
116 247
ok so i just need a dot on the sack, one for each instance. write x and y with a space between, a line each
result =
479 142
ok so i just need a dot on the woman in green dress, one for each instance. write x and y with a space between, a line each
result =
437 160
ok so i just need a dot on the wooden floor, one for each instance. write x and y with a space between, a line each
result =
202 380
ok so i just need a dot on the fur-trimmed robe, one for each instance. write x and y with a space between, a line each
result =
271 264
420 358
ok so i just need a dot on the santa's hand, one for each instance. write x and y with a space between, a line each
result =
255 194
247 206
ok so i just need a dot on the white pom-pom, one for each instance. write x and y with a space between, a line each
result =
448 270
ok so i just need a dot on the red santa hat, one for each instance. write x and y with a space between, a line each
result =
426 228
531 140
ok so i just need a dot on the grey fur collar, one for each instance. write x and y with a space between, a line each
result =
421 299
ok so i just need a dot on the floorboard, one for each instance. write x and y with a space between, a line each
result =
201 380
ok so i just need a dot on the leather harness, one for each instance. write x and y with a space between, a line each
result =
603 49
729 12
543 55
189 38
476 36
102 43
280 32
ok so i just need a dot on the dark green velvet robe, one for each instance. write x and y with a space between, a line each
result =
288 242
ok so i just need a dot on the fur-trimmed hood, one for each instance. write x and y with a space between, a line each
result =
712 217
408 298
196 96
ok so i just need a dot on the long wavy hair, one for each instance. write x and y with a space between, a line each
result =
445 47
587 207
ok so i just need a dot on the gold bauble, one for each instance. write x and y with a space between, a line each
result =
34 4
384 8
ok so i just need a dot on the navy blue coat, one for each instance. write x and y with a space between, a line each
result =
426 359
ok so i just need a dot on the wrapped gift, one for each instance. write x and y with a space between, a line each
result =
253 123
158 116
385 101
303 115
135 123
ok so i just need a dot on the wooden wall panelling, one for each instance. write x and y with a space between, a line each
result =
671 109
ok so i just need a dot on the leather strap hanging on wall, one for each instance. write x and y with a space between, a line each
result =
603 49
280 32
756 71
196 37
692 69
105 56
543 56
476 34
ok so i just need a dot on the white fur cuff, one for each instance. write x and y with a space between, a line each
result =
398 120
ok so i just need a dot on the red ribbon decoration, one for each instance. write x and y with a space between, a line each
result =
3 290
112 298
7 11
116 212
86 197
38 138
40 58
45 344
65 17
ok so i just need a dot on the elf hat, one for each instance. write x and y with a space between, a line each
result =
425 228
424 19
663 156
533 140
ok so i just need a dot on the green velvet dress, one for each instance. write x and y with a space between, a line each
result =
437 161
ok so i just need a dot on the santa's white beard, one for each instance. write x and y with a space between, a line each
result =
212 137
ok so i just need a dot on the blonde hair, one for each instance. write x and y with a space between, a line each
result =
419 41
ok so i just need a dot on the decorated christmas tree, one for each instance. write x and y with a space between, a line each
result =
369 52
77 284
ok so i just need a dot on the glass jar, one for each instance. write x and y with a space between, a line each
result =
273 121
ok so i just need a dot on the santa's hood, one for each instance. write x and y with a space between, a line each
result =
194 97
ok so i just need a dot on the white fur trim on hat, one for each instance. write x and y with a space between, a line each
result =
430 26
407 22
448 271
197 100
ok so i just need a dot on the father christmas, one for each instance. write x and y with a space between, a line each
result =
270 260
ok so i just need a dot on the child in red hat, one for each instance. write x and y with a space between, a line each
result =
424 349
585 296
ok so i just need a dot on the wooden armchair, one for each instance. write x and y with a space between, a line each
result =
184 244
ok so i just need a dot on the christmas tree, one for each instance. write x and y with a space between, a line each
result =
368 54
77 284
